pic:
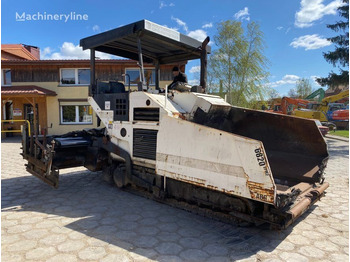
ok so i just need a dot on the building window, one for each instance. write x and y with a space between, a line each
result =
6 77
8 110
75 76
150 75
75 114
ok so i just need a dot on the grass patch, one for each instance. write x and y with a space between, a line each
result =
343 133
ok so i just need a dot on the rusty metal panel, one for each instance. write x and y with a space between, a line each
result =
260 193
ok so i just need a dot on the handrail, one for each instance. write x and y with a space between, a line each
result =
15 131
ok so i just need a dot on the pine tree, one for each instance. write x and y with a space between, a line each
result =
340 56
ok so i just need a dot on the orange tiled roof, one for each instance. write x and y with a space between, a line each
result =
69 61
26 90
17 50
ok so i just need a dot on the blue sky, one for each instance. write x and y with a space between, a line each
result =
294 31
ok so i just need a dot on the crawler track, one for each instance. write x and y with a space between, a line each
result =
198 200
236 218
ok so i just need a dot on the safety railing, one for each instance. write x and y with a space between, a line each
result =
16 130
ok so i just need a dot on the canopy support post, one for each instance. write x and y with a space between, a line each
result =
92 86
142 72
157 80
204 62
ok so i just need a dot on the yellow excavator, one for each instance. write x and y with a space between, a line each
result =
320 112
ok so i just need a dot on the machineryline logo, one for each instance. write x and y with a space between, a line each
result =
72 16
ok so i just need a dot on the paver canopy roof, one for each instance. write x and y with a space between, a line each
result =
158 43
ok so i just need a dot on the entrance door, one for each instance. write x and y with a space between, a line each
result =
29 115
8 112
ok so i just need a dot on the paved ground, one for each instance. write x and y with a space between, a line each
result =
86 219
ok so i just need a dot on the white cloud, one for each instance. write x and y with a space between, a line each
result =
162 4
281 28
46 51
313 78
70 51
193 82
198 34
195 69
287 79
96 28
242 14
310 42
180 23
208 25
290 78
313 10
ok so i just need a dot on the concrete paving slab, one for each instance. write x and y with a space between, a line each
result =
89 220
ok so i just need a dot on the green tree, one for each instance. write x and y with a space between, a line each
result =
221 89
212 85
292 93
273 94
240 62
303 88
340 56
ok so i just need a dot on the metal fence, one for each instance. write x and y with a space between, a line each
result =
15 130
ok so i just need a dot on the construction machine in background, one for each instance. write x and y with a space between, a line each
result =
338 110
340 117
188 149
341 114
275 105
334 107
320 110
288 104
319 93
